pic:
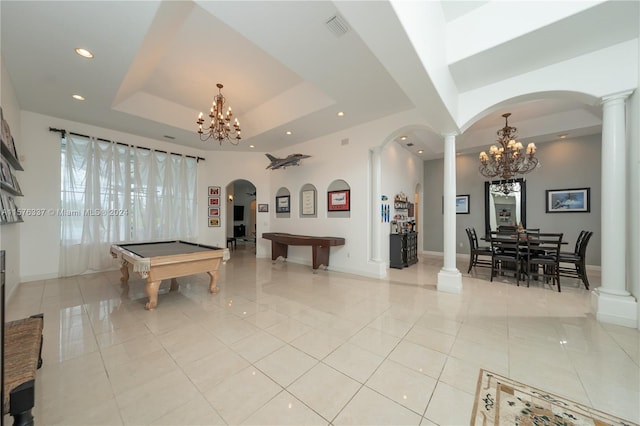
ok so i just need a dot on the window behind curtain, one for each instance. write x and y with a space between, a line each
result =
112 193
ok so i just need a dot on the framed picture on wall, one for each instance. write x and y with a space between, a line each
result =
4 207
214 191
214 221
339 200
283 204
214 212
576 200
214 201
462 204
263 208
309 202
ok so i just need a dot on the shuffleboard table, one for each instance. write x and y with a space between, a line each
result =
158 261
281 241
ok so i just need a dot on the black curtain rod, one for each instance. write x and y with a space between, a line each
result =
63 133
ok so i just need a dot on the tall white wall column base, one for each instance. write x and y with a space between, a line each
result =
379 268
615 309
450 281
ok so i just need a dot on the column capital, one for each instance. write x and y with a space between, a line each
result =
616 96
376 149
450 135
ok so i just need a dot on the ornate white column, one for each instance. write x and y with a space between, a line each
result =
449 278
612 302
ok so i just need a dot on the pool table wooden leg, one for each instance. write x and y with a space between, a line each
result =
152 291
124 269
213 287
174 285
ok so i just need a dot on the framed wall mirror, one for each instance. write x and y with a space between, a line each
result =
505 203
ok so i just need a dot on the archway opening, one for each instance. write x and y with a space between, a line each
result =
241 216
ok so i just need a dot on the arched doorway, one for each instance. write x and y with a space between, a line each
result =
241 215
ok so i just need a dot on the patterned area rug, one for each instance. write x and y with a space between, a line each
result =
502 401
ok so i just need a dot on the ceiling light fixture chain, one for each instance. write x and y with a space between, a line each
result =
508 159
220 128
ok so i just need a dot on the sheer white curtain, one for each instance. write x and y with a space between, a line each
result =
163 196
114 193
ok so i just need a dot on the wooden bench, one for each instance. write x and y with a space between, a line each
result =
281 241
22 357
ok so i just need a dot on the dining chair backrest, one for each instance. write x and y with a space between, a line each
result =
581 236
474 237
505 243
547 243
468 231
552 236
532 231
582 250
507 229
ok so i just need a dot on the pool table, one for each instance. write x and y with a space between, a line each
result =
167 259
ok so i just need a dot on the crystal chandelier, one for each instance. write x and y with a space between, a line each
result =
508 159
220 127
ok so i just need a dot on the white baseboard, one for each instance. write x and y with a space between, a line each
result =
39 277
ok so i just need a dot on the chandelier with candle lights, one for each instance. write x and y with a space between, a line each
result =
220 127
509 158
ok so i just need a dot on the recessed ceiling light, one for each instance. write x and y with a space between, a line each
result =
78 97
563 135
288 132
340 114
84 53
420 151
403 138
251 146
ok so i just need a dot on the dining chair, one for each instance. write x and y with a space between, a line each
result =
475 251
542 257
507 229
506 255
532 231
577 259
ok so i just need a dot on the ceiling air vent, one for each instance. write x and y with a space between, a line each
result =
410 144
337 25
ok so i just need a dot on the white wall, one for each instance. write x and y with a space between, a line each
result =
616 67
40 236
220 169
10 234
568 163
330 160
401 172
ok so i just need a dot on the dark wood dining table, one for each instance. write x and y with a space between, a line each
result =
522 237
524 240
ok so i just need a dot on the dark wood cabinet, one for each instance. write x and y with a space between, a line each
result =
403 249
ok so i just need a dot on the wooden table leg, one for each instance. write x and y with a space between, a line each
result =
152 292
124 269
213 287
320 256
277 250
174 285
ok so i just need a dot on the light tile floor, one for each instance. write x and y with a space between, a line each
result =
281 345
